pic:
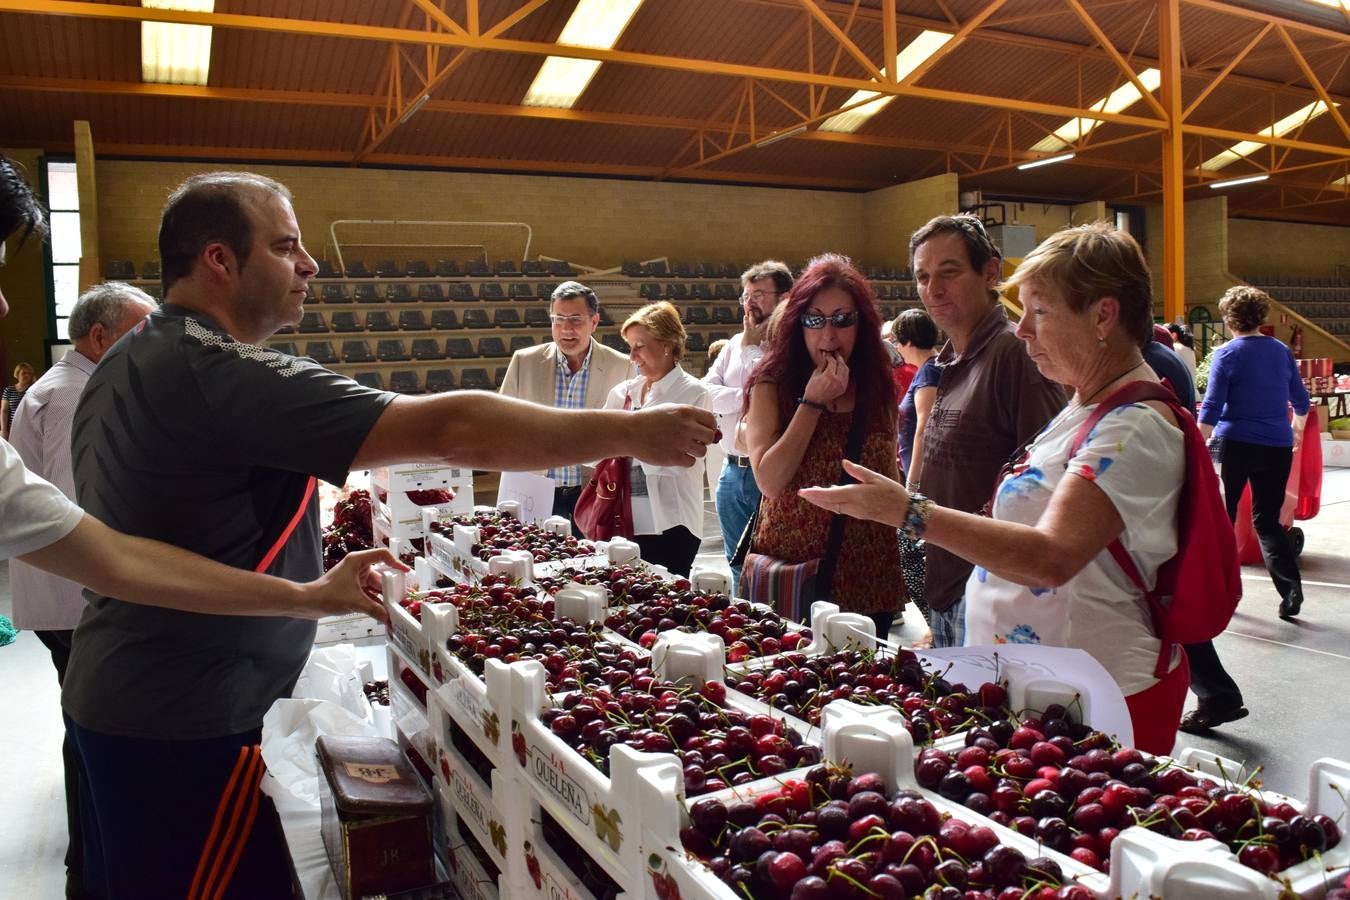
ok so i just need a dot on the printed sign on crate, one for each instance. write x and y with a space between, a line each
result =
533 492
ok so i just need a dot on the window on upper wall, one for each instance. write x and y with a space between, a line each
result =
64 249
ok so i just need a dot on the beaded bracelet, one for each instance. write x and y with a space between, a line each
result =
802 401
917 514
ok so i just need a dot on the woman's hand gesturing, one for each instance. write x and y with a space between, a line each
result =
828 382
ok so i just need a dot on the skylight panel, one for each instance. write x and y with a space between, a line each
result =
915 53
173 53
1119 100
1244 149
594 23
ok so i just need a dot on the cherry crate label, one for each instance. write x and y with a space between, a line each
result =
473 883
549 773
466 794
406 637
465 701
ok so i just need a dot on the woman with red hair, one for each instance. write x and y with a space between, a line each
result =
825 384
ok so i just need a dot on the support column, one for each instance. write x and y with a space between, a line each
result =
1173 279
91 267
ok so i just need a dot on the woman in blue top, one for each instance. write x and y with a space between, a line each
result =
916 337
1253 379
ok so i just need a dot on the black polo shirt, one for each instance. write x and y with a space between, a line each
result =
190 437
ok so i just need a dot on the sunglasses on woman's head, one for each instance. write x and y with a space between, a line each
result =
816 321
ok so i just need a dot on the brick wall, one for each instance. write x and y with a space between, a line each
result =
1259 247
592 221
890 215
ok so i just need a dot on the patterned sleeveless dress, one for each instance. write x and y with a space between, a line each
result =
868 577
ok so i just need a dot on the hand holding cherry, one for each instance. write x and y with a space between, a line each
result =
828 382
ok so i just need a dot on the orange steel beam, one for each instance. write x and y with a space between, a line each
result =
844 40
539 48
511 20
1313 80
437 15
957 40
285 157
1228 69
1243 12
996 34
393 119
1225 134
1119 60
889 47
1174 199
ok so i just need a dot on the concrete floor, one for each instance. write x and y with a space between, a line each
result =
1294 676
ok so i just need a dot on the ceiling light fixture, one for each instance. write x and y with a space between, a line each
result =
1049 160
1234 182
780 136
172 53
1243 149
561 80
412 110
1119 100
915 54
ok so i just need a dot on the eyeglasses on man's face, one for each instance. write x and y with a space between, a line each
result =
761 296
816 321
569 321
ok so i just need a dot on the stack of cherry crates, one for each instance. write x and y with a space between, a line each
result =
399 495
528 807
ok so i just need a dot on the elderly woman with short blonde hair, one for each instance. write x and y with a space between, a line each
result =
667 501
1043 573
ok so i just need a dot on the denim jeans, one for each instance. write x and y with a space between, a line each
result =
737 500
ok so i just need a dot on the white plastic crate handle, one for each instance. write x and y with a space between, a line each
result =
393 585
424 574
509 508
512 564
464 537
1214 765
705 578
677 656
439 621
1146 864
1040 693
557 525
871 738
580 603
622 550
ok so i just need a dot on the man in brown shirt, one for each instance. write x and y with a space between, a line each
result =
991 400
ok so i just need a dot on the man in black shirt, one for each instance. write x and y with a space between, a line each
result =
191 432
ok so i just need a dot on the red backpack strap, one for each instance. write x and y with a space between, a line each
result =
1134 392
289 530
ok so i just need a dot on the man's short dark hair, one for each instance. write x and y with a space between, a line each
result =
207 209
980 248
103 304
20 212
569 289
770 268
915 328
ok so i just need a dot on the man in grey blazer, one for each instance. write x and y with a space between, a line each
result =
574 371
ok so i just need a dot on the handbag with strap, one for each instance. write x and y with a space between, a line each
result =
791 587
604 508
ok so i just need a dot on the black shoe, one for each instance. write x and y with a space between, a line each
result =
1201 720
1290 606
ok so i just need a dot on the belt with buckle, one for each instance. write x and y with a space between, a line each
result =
740 461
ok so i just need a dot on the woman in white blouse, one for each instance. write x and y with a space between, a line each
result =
667 500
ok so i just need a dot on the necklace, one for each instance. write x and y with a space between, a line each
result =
1112 380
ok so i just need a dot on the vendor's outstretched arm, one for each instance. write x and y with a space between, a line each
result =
481 430
143 571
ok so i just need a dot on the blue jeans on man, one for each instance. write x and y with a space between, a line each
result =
737 500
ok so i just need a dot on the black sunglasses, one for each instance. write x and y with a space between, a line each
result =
816 321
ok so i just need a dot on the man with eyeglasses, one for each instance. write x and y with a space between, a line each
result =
574 371
991 399
763 287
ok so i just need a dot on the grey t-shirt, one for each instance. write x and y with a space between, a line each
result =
189 437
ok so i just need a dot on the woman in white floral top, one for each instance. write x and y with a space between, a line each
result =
1043 571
